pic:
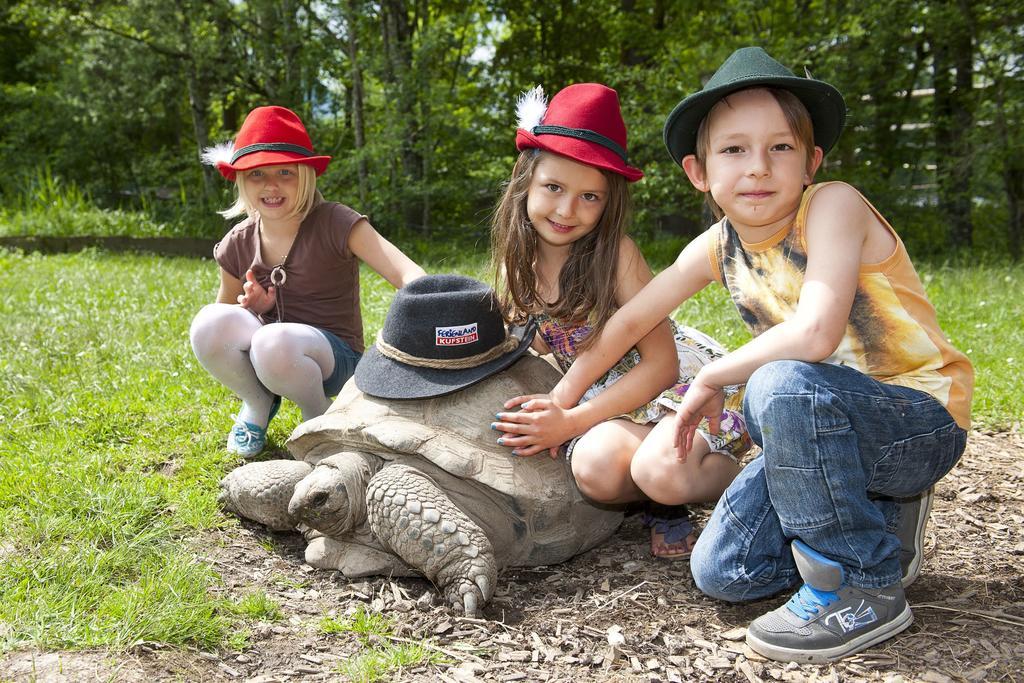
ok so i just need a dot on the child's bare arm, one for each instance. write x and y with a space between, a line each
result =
690 273
543 425
659 366
838 223
385 258
230 288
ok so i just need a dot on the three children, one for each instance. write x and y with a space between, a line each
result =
853 393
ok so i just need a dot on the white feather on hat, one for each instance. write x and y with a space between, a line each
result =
218 154
530 108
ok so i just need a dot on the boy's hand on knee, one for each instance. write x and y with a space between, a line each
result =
700 401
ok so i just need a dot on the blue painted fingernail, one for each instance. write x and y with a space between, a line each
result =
494 425
500 442
497 416
515 452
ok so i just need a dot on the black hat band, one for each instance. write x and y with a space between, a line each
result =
271 147
582 134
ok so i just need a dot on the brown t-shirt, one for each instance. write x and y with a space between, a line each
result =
321 286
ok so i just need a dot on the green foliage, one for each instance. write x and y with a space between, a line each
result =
51 207
414 101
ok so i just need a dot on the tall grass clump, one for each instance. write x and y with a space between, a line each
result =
50 207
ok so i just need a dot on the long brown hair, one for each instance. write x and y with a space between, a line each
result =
586 283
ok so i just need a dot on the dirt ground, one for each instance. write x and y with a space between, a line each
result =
612 614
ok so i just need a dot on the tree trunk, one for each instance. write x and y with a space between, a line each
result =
356 73
952 50
398 29
198 106
1013 179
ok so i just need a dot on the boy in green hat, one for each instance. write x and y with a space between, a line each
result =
853 392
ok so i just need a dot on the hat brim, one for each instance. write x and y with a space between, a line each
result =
583 151
824 103
257 159
383 377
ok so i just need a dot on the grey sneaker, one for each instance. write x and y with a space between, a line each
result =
914 514
826 620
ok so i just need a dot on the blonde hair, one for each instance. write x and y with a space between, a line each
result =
586 283
797 117
307 194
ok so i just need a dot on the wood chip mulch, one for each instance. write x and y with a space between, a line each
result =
612 614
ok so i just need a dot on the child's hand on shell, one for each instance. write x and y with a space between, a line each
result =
539 425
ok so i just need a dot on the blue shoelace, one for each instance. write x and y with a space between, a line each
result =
808 601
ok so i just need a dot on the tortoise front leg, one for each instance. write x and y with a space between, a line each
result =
417 520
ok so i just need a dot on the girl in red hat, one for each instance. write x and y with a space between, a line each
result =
286 321
561 255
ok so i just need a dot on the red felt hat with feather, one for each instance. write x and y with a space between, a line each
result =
582 122
269 136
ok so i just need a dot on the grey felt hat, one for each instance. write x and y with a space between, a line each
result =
750 67
442 333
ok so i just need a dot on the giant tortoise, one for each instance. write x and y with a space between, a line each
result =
403 487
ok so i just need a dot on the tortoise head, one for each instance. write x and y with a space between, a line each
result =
332 498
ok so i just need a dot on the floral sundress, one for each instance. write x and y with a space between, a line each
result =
695 350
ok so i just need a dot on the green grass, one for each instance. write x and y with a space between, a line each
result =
111 435
257 606
385 662
361 623
381 655
981 310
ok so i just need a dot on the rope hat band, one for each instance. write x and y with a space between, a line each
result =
583 134
510 344
271 147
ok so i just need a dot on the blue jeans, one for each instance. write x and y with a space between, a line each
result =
836 443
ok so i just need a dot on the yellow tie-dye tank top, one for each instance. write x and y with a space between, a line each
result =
893 334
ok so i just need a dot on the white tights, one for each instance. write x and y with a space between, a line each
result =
257 361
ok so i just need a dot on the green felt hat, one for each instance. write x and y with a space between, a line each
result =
751 67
